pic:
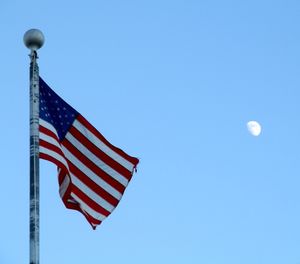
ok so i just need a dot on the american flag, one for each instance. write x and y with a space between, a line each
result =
92 173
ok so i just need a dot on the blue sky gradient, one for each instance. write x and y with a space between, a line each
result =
173 83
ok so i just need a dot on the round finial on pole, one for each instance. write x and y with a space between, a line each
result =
34 39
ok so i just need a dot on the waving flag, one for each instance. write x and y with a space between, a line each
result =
92 173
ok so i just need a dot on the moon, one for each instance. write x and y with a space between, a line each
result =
254 128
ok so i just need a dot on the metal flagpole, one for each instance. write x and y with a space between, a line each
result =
34 39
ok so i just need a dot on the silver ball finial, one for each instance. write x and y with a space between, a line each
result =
34 39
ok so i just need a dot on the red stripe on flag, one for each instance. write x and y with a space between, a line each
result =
100 173
94 222
48 132
61 176
52 147
93 130
92 185
91 203
53 160
100 154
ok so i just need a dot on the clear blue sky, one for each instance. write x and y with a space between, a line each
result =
173 83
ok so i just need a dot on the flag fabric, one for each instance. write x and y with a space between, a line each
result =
92 173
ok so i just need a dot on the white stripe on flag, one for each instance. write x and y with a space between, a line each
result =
55 155
90 174
47 125
88 209
103 166
91 194
49 139
97 142
64 185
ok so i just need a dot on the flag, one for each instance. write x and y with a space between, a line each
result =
92 173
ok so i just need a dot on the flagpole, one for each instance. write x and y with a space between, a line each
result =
34 39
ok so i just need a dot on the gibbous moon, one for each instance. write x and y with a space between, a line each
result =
254 128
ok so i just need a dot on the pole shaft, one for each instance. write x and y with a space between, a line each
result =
34 159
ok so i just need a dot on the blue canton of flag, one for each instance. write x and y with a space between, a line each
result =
56 111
